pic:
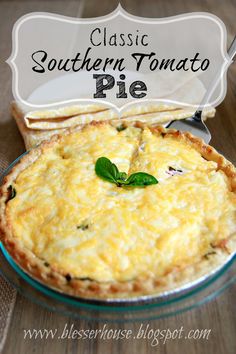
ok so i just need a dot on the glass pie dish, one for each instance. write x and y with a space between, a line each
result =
162 305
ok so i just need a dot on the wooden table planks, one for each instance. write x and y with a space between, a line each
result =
219 315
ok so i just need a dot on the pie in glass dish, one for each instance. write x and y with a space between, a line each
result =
87 237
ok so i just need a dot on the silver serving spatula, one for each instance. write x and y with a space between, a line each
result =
194 124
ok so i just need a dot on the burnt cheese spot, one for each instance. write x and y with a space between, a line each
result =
68 277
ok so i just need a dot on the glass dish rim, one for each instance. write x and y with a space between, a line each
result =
81 303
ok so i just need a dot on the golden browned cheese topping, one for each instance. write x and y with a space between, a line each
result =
82 225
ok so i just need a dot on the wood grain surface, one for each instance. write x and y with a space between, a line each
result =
220 314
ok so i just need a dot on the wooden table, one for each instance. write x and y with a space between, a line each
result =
220 314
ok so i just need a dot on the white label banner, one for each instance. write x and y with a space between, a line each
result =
118 59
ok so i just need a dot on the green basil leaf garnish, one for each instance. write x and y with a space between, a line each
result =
108 171
122 176
121 127
83 227
141 179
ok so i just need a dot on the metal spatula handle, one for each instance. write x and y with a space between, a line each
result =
232 50
232 55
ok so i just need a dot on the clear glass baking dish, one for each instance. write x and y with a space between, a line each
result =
145 308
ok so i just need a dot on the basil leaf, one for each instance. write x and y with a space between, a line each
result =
106 170
122 176
140 179
121 127
12 192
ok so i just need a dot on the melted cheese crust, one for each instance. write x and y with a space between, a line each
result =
90 228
